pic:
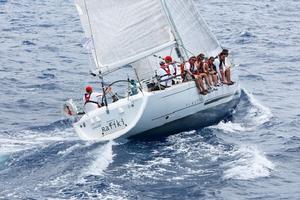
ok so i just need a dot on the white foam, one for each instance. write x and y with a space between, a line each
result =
259 114
103 157
70 149
249 163
256 116
31 139
231 127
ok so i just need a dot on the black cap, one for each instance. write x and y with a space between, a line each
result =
225 51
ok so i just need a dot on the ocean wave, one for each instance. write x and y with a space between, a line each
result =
101 157
57 125
28 139
231 127
249 115
246 34
248 163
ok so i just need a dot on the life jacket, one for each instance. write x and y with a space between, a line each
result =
200 69
192 68
182 71
211 66
87 97
167 69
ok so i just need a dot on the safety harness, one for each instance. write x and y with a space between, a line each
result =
87 97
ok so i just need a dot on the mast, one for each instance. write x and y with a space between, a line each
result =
178 40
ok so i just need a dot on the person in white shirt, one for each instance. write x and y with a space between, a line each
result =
220 65
227 67
92 100
223 67
167 72
171 64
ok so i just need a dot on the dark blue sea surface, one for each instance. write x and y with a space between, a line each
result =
254 155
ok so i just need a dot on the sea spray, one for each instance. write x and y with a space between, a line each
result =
102 158
247 163
249 115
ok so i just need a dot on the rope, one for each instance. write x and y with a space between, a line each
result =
186 50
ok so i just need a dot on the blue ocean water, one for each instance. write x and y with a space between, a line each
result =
254 155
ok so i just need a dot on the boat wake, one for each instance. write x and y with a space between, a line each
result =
101 158
36 137
247 163
89 169
249 115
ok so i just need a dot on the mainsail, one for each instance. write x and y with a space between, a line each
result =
129 31
124 31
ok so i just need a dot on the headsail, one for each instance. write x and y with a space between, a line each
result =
124 31
192 29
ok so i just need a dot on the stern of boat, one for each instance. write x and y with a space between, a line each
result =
115 121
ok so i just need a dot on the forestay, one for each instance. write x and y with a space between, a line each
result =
124 31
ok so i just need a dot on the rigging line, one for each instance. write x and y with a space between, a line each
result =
204 23
187 50
92 36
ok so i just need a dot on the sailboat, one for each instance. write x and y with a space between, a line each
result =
136 33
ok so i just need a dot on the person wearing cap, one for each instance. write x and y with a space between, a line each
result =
223 67
91 99
166 72
169 61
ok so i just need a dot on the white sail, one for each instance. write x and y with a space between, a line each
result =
124 31
192 29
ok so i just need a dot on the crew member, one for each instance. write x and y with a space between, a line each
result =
223 67
92 100
202 73
166 72
227 67
212 70
171 64
191 72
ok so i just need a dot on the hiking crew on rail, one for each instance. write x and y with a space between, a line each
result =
207 73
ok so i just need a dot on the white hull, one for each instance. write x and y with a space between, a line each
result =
158 112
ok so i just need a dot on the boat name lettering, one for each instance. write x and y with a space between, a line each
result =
113 124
